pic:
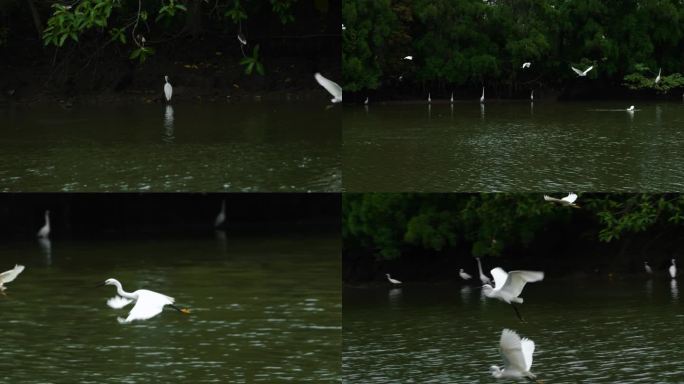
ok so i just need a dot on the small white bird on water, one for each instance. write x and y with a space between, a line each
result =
148 304
391 280
673 269
408 57
483 278
464 275
568 200
517 356
168 89
44 232
657 79
221 217
330 86
647 268
526 65
582 73
482 97
9 276
508 286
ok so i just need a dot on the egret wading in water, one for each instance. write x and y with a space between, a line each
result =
657 79
673 269
365 102
509 286
391 280
464 275
148 304
582 73
44 232
532 95
482 97
483 278
221 217
517 356
647 268
452 98
330 86
168 89
568 201
429 98
9 276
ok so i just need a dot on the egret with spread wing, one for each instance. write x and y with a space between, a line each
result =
568 200
148 304
517 356
508 286
582 73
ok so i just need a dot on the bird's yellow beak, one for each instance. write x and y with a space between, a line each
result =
185 311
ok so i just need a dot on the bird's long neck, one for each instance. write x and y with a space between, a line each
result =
47 220
122 293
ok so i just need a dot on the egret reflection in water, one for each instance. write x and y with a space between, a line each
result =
46 249
674 290
168 124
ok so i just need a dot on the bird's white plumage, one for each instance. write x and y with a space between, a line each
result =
630 109
673 269
221 217
429 98
464 275
118 302
657 79
526 65
330 86
532 95
452 98
647 268
9 276
567 200
517 355
482 99
483 278
168 89
44 231
365 102
147 303
408 57
391 280
582 73
508 286
242 39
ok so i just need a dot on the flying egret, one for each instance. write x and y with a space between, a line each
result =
568 200
452 98
429 98
168 89
526 65
464 275
517 357
391 280
482 97
44 232
582 73
241 38
9 276
408 57
508 286
221 217
148 304
330 86
483 278
657 79
532 95
647 268
365 102
673 269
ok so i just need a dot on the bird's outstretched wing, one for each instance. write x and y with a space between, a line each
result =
500 276
148 305
549 198
527 346
517 279
118 302
577 71
330 86
570 198
511 351
587 70
10 275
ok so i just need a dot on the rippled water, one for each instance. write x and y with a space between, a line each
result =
264 309
585 332
514 146
196 147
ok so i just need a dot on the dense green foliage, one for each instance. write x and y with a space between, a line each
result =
391 224
469 43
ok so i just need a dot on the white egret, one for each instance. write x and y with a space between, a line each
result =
452 98
647 268
630 109
526 65
429 98
568 200
330 86
532 95
343 27
408 57
241 38
221 217
582 73
517 356
673 269
509 286
168 89
391 280
657 79
483 278
464 275
9 276
482 97
365 102
44 232
148 304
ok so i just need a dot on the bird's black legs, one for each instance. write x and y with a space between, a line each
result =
517 312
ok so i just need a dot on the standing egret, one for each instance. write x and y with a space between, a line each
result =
330 86
241 38
452 98
657 79
44 232
673 269
221 217
532 95
526 65
630 109
568 200
148 304
508 286
391 280
464 275
168 89
582 73
365 102
343 27
483 278
482 97
408 57
9 276
647 268
429 98
517 357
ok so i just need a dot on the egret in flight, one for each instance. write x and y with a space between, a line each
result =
526 65
568 200
221 217
168 89
9 276
517 356
509 286
148 304
44 232
673 269
330 86
483 278
647 268
391 280
482 97
464 275
582 73
657 79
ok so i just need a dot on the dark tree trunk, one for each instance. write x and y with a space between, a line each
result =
36 18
